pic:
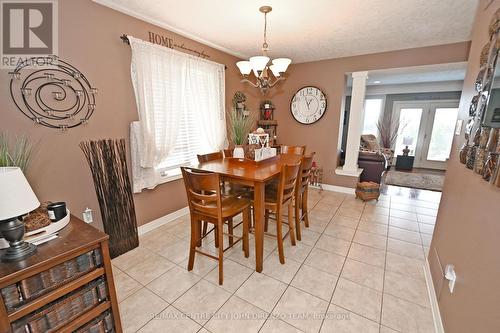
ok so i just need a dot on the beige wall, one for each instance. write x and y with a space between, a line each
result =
89 39
467 232
329 75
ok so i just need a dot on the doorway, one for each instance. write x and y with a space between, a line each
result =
427 128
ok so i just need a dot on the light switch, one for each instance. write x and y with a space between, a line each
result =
87 215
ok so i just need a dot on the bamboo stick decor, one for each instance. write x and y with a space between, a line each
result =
107 161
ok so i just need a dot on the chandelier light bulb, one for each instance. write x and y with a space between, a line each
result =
245 67
258 64
281 64
275 71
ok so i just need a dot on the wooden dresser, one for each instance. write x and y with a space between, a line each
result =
66 286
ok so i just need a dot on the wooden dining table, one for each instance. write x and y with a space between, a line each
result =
255 175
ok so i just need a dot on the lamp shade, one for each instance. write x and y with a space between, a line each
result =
245 67
275 71
16 196
258 63
281 64
408 140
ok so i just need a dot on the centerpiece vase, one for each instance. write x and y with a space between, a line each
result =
238 152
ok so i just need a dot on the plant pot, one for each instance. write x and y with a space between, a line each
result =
238 152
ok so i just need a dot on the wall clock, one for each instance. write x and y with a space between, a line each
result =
308 105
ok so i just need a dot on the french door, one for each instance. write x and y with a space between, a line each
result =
427 128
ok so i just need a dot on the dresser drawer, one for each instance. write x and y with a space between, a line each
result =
102 324
26 290
64 310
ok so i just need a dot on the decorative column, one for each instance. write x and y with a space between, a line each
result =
356 113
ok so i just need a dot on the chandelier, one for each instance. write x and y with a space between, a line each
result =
260 65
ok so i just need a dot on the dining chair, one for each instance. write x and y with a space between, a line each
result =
210 157
279 198
228 153
296 150
301 193
227 190
207 204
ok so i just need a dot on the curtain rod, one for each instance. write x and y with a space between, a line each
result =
125 39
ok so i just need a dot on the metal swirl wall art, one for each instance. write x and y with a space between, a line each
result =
52 93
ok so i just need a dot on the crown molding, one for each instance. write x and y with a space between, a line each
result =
145 18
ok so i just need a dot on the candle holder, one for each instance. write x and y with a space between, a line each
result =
59 80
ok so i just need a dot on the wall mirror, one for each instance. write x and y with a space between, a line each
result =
491 115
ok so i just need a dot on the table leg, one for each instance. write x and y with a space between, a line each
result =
259 224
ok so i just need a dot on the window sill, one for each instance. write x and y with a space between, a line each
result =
170 176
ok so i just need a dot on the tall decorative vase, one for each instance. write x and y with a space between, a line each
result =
238 152
108 165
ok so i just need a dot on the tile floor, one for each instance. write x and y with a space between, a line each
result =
359 268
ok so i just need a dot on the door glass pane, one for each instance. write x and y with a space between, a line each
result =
372 114
409 123
442 134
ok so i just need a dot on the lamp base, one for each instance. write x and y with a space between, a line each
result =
20 252
13 231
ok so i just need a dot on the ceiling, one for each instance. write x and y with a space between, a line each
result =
416 74
310 30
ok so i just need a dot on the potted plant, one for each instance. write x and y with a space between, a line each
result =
388 134
239 127
18 154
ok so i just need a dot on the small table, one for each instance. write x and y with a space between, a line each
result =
404 162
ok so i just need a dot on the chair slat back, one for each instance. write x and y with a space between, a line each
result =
305 171
228 153
296 150
287 183
210 157
203 190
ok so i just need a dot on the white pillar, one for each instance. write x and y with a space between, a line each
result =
356 114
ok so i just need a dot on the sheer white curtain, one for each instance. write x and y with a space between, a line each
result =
172 88
206 83
158 77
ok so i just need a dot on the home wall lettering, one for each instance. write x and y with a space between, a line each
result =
166 41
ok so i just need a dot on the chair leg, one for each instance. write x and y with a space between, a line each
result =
216 236
230 230
297 218
279 237
205 228
291 223
266 220
198 233
305 211
252 217
192 243
220 237
246 224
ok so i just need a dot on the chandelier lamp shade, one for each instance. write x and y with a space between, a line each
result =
262 65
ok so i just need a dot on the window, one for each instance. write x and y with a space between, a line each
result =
188 144
373 108
180 101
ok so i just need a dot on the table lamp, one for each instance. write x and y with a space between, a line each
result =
407 141
16 199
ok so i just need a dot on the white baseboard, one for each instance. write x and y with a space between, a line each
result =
436 315
335 188
162 221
